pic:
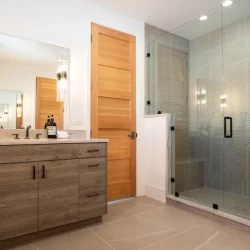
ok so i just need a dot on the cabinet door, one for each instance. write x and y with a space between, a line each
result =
58 193
18 199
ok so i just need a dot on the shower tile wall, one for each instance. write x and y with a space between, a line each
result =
225 160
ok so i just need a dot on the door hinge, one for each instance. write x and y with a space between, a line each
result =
172 180
148 54
172 128
215 206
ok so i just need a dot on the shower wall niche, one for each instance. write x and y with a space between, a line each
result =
200 73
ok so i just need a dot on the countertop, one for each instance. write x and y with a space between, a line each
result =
5 141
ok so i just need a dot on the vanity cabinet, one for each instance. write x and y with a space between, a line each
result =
58 193
60 189
18 199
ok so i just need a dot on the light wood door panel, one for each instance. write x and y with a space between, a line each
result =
58 193
113 105
18 199
46 103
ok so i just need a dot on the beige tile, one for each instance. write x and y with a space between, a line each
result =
175 218
26 247
139 242
130 227
148 201
193 239
195 211
130 207
78 240
228 239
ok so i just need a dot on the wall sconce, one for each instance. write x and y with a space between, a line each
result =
202 97
19 105
6 110
62 77
223 101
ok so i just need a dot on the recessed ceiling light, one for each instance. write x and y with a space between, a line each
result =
227 3
203 18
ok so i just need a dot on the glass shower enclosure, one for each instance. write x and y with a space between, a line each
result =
200 73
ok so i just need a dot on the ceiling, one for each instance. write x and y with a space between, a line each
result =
164 14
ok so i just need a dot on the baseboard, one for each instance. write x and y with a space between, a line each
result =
155 193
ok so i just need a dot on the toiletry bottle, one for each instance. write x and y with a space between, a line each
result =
51 127
47 123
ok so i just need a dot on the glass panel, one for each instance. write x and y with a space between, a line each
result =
199 162
236 61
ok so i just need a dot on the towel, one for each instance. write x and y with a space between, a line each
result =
62 134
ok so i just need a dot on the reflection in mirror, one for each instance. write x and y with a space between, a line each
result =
33 83
11 115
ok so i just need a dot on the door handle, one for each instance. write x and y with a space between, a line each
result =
92 195
34 172
225 127
132 135
43 170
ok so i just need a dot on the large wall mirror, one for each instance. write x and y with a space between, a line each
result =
34 80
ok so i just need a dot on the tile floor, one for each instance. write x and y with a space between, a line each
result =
142 223
228 202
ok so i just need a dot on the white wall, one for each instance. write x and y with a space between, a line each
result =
67 23
21 77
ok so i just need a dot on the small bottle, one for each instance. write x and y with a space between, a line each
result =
47 123
52 131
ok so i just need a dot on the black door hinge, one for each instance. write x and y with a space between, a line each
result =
172 180
172 128
148 54
215 206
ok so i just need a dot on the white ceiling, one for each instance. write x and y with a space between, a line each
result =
164 14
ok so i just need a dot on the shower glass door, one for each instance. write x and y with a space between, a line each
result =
235 103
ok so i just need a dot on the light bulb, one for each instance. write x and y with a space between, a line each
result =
203 18
227 3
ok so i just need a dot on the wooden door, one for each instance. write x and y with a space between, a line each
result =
58 193
18 199
113 106
46 103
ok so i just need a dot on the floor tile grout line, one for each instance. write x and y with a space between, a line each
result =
144 235
34 246
101 238
187 230
132 215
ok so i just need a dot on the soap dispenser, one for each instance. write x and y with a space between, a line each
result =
51 127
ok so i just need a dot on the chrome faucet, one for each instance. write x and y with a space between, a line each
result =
28 132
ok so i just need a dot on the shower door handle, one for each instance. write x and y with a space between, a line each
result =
225 127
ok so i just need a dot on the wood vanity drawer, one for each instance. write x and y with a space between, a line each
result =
92 172
50 152
92 202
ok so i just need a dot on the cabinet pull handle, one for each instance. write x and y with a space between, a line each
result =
92 195
94 165
93 150
43 167
34 172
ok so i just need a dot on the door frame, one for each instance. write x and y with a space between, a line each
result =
94 92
